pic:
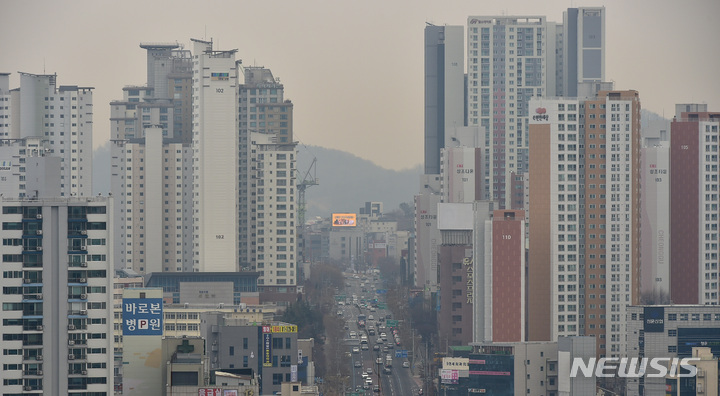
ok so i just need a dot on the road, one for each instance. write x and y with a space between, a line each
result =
398 381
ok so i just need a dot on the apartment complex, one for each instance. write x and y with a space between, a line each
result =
56 119
694 205
57 293
584 211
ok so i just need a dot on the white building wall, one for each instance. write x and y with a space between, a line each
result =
655 249
215 143
427 235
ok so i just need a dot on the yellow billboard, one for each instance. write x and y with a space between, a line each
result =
344 219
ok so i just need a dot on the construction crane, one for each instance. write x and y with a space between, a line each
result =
306 181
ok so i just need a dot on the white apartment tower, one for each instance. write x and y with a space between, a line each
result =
60 117
152 165
507 64
259 97
215 159
511 59
57 296
274 220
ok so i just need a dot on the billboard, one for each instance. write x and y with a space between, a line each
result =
654 318
267 349
142 316
344 219
449 376
209 392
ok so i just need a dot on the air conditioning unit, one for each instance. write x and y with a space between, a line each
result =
40 328
83 264
39 357
83 232
71 357
28 388
83 280
83 312
71 342
38 232
38 216
39 372
71 327
700 388
84 372
701 373
38 297
83 296
26 280
38 248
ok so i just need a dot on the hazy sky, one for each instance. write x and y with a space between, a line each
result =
353 69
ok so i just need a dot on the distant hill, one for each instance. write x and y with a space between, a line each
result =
347 182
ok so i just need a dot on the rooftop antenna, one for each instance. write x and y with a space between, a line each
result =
205 35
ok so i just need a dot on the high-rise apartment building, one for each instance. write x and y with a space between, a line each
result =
267 156
511 59
151 172
57 294
694 205
28 168
57 119
273 219
150 179
507 64
444 89
215 159
584 217
263 110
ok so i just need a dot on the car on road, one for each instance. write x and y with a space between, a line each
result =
353 334
358 364
376 347
364 347
376 388
369 370
382 335
387 371
356 350
406 364
390 345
